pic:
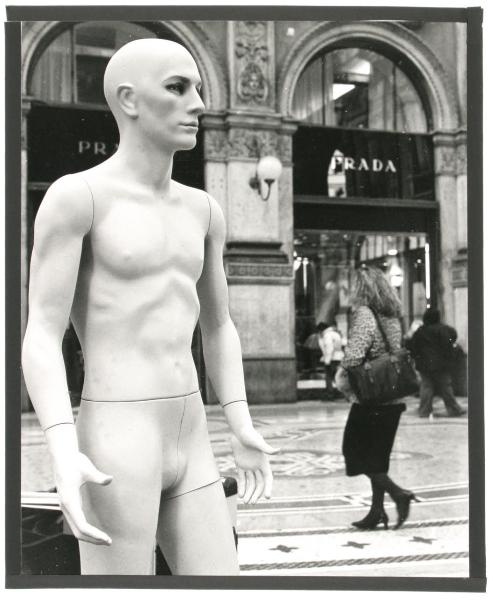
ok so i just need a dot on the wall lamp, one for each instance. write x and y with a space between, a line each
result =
268 170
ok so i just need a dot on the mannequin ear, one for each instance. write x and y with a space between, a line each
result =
127 99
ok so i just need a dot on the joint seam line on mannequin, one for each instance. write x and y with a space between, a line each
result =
193 490
210 214
232 402
178 441
145 399
56 424
93 202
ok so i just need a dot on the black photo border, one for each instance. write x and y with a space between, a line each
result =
476 582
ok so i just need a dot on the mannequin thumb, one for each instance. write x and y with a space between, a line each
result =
265 447
97 476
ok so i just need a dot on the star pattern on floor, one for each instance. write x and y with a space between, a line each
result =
422 540
351 544
286 549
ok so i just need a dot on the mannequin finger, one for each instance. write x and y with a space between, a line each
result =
241 483
250 486
268 482
260 485
80 526
99 477
91 473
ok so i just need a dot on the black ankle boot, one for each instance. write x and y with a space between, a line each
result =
373 518
403 502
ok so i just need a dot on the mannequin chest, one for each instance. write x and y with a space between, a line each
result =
133 239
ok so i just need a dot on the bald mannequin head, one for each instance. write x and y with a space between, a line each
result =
140 80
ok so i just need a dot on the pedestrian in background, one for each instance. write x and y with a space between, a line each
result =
433 347
331 345
370 430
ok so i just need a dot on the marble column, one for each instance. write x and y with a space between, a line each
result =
24 259
450 189
459 263
258 253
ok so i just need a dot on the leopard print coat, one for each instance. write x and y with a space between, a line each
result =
365 339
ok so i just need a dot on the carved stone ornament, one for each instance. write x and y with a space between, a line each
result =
215 144
252 61
252 144
461 159
285 148
445 160
259 270
252 85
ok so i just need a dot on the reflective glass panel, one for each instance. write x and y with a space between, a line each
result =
354 87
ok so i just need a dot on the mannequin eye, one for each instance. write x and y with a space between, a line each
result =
177 87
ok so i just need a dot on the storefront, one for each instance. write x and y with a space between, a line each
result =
368 121
364 194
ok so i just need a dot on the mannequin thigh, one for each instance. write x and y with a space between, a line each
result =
131 522
195 533
135 443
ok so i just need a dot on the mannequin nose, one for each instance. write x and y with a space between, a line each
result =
197 105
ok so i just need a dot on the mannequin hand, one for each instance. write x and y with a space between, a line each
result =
69 477
254 473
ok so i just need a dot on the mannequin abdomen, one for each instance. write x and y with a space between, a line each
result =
136 336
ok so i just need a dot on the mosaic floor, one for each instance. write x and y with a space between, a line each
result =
305 528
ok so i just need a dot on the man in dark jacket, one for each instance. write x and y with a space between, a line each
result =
432 347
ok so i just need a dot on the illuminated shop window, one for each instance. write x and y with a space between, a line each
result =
71 69
358 88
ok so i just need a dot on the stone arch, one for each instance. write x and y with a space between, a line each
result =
391 39
42 33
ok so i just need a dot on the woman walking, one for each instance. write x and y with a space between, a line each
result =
370 430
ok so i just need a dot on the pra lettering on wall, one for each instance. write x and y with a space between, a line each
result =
96 148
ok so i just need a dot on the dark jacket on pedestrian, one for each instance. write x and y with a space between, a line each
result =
433 347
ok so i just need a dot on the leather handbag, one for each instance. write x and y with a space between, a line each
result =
388 377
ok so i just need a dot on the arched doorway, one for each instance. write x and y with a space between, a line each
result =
364 189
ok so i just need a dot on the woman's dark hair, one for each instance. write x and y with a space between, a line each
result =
431 316
372 289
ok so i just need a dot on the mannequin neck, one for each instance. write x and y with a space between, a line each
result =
145 161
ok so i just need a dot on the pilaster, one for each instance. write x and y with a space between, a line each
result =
450 189
24 268
258 254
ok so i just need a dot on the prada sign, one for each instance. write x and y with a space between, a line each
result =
62 140
334 162
347 163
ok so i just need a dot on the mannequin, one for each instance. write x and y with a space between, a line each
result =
135 259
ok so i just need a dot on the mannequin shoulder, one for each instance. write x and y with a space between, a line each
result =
68 203
203 201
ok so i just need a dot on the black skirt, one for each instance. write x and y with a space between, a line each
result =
369 436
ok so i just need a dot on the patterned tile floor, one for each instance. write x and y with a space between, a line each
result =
305 528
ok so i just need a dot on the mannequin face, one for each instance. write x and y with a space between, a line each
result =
168 100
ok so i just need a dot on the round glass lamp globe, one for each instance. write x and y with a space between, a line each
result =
269 167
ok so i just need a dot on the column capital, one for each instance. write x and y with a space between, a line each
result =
27 104
235 135
450 149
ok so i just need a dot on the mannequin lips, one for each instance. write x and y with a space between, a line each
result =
192 125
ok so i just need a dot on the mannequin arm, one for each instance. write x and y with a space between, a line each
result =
223 360
65 216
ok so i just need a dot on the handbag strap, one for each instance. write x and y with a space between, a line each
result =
388 347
